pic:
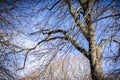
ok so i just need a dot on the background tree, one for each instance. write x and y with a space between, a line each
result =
66 68
7 59
8 20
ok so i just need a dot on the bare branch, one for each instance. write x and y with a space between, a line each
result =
112 15
76 18
68 38
106 41
53 5
65 37
24 60
77 10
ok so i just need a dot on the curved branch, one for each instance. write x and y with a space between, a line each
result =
106 41
106 17
68 38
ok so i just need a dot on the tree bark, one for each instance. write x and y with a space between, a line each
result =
95 56
96 64
95 53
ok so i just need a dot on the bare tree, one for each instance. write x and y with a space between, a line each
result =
72 20
88 26
8 20
66 68
7 63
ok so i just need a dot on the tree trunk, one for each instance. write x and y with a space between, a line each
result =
96 64
95 55
94 50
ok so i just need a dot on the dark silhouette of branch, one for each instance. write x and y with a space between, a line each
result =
53 5
112 15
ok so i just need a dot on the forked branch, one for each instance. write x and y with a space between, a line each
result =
66 37
76 18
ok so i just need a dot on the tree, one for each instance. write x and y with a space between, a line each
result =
68 68
84 14
8 20
7 63
82 24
